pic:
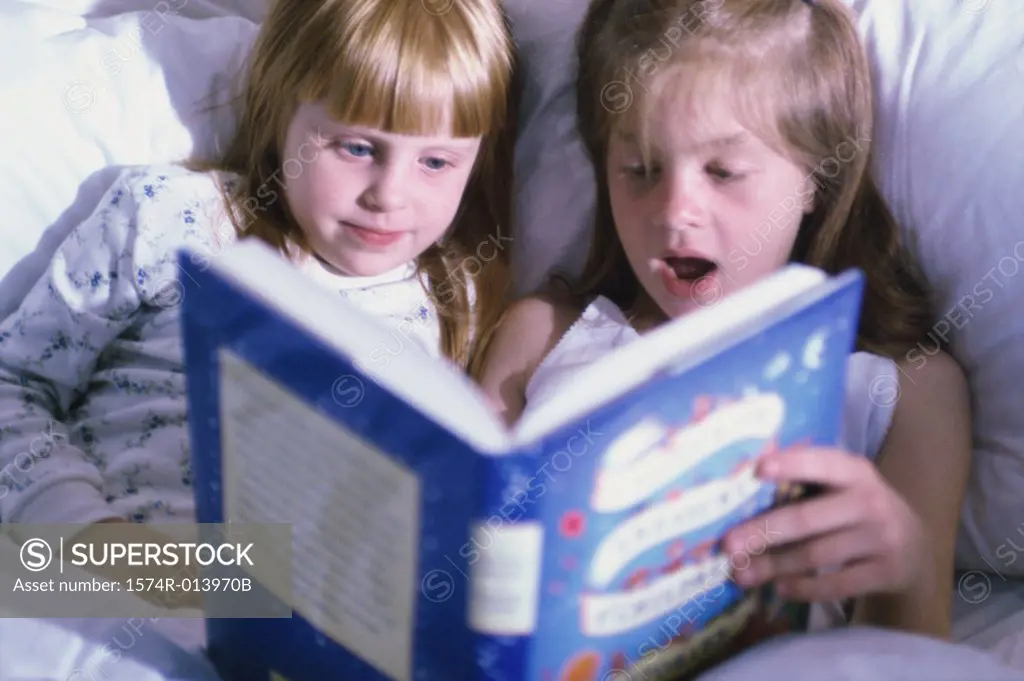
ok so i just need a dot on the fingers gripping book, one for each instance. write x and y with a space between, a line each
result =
431 542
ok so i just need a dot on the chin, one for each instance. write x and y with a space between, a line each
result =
679 308
368 267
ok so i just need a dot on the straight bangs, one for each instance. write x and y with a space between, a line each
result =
424 74
412 67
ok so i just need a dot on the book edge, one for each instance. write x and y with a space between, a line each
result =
637 361
253 269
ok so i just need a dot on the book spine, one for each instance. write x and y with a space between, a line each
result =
199 344
504 559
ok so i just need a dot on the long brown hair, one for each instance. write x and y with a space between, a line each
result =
799 76
400 66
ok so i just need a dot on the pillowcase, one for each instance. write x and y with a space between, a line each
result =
87 96
950 105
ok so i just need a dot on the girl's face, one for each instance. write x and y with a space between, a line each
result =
714 210
368 201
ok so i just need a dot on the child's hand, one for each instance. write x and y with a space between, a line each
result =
859 528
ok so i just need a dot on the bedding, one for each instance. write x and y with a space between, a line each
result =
92 85
107 650
862 654
988 614
89 95
171 650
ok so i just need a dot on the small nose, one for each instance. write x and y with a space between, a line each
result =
386 192
683 196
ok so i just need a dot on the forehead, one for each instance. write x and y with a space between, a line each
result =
681 116
694 106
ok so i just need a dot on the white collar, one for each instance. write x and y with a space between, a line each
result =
315 268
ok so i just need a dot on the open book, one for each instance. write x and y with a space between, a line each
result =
430 542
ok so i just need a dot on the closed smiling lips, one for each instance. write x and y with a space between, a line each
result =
373 236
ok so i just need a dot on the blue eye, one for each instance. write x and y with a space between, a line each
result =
357 149
436 163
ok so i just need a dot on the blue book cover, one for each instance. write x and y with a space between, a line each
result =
429 542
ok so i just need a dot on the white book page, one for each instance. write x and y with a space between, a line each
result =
439 390
356 532
630 365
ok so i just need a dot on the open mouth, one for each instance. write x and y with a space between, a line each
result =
690 269
690 278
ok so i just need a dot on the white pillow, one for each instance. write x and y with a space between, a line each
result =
254 10
950 84
554 182
85 96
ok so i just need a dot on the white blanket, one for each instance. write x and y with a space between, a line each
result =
141 650
134 649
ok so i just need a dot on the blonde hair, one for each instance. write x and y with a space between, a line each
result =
396 66
798 76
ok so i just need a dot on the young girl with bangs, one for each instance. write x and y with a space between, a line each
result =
373 151
728 138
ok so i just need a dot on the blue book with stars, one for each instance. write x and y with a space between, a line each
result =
430 542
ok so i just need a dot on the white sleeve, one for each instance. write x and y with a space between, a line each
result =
872 390
49 347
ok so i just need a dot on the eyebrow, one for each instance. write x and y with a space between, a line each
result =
737 140
728 141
